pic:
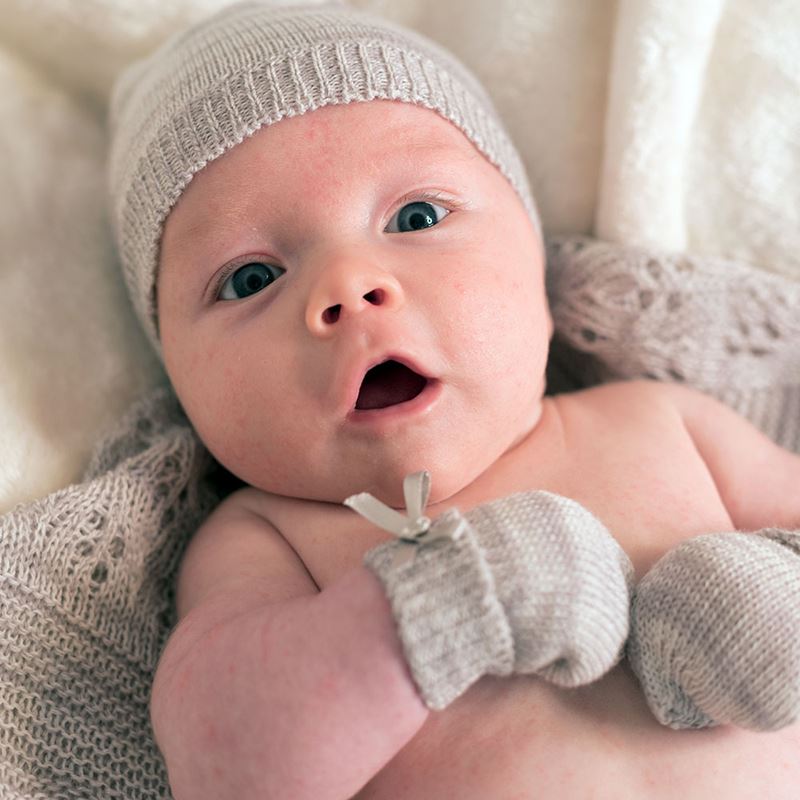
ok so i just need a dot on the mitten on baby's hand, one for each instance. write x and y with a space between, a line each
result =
715 632
529 584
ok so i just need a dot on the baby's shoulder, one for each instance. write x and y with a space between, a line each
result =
240 557
283 513
639 412
634 401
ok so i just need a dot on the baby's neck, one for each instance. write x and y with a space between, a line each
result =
541 442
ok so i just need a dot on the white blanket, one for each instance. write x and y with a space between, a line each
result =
672 125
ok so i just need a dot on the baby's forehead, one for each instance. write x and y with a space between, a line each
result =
396 115
339 143
379 126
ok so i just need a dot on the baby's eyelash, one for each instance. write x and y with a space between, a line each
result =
433 197
220 281
228 271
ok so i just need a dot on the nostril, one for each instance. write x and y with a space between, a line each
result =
376 297
330 315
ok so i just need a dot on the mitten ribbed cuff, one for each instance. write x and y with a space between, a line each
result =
451 624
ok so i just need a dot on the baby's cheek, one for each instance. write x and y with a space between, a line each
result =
273 449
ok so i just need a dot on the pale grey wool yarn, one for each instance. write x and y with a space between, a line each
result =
715 632
536 586
252 64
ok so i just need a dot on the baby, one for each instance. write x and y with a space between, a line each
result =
330 241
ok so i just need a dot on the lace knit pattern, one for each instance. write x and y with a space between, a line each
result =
86 604
724 327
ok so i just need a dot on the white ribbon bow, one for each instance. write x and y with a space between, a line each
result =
413 529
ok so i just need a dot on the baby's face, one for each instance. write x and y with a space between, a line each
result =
327 244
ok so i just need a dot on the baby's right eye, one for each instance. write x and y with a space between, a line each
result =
248 279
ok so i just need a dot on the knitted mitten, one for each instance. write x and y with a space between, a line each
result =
532 583
715 631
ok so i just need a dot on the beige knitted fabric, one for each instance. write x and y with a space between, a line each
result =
534 585
715 632
717 325
249 66
86 605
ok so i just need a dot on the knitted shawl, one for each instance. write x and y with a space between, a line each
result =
86 605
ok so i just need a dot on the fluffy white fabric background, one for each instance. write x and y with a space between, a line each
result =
671 124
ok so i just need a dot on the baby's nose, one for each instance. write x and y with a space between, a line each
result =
342 293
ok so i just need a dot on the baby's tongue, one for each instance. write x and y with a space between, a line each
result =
388 384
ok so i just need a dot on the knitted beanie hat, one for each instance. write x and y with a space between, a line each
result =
250 65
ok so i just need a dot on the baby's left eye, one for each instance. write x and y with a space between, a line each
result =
249 279
416 216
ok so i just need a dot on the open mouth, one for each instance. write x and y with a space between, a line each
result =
389 384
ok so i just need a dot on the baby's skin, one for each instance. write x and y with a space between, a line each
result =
373 232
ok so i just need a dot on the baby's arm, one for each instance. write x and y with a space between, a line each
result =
758 481
715 624
268 687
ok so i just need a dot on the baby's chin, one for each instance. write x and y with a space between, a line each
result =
453 464
443 486
383 481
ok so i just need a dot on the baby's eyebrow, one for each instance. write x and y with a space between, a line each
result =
428 148
209 226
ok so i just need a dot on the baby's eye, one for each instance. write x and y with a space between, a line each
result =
415 216
249 279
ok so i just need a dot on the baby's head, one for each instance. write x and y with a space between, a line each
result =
330 241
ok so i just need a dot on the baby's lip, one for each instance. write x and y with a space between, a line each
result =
355 376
